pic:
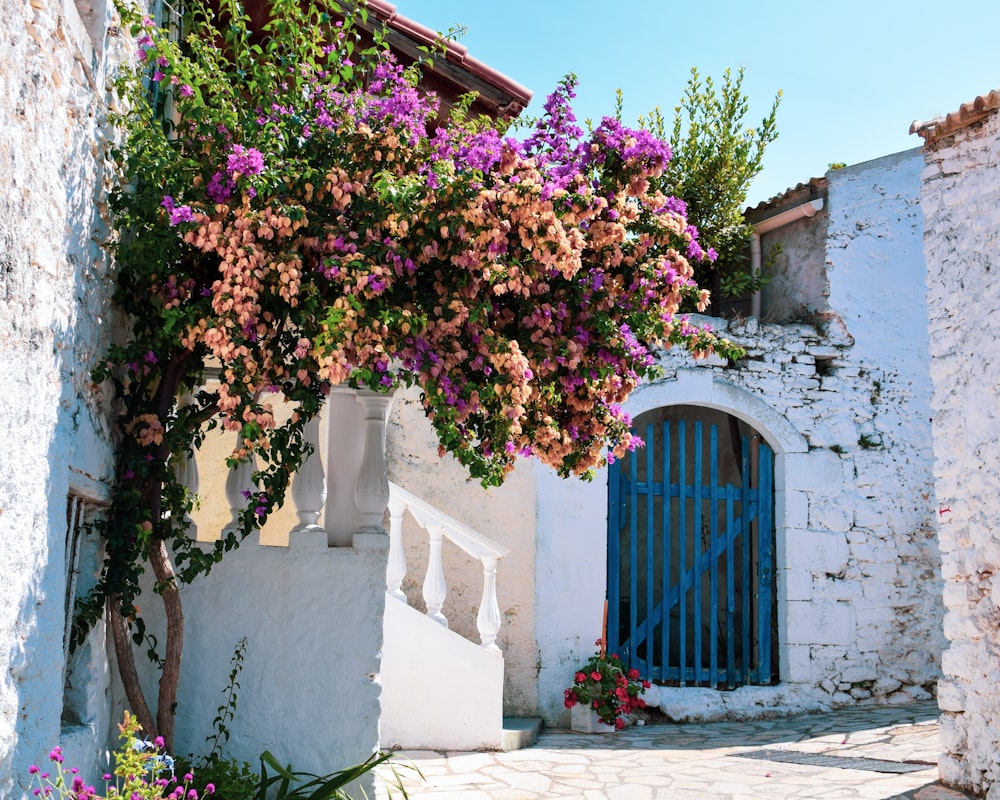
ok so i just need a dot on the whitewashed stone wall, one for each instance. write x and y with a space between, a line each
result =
54 321
845 403
961 201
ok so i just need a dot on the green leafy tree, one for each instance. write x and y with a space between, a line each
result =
715 158
286 212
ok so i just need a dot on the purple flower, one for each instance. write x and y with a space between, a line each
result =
181 214
150 357
56 755
246 161
157 76
186 91
220 187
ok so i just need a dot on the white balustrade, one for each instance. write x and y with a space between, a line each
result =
240 488
309 483
371 496
440 527
435 586
186 473
396 568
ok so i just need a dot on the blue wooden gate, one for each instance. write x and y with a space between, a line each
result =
690 557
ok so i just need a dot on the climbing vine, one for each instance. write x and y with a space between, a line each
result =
294 211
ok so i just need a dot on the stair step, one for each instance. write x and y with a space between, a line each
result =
520 732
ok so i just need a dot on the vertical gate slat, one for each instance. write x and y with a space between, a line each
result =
697 599
745 553
667 538
681 554
650 542
730 590
633 539
713 568
614 550
765 566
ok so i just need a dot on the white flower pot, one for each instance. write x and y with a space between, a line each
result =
584 719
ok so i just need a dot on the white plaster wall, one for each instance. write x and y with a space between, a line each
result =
961 202
54 294
310 684
845 404
504 514
439 691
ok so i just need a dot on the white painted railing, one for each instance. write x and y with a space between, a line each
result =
352 495
440 526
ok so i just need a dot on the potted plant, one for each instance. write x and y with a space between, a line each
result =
604 693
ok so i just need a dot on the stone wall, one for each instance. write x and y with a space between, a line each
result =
844 400
54 324
961 201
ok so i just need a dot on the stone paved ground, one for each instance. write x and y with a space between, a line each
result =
702 762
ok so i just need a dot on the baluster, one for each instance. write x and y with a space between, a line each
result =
309 483
186 473
239 481
396 568
488 619
372 493
435 587
345 446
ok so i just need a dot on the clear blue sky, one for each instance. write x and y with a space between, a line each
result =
855 73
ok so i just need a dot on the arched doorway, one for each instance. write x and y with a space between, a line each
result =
691 577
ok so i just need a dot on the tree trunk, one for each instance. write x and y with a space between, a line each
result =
159 559
126 666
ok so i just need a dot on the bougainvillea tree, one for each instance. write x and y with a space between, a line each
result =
295 212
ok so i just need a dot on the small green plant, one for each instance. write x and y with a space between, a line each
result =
604 685
286 784
867 442
836 165
838 449
228 709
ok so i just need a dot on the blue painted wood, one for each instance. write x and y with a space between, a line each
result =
650 545
765 565
730 590
682 536
697 599
666 538
614 548
713 567
633 548
746 586
672 603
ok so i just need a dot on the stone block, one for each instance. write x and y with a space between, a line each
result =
820 622
830 514
951 696
691 705
816 551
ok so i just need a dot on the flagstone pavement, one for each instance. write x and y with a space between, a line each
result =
704 761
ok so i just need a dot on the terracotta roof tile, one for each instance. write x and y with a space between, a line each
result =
504 88
969 113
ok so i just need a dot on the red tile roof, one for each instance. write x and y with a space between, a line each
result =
501 95
969 113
